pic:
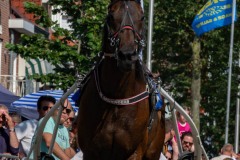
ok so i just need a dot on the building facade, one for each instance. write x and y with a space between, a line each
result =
14 21
4 37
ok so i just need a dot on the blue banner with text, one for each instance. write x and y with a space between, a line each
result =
214 14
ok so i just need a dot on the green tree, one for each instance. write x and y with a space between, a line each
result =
86 20
172 54
173 58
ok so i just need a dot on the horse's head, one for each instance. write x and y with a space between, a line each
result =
123 38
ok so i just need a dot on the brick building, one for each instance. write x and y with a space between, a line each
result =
14 21
4 37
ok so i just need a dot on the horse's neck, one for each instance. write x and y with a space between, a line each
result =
118 81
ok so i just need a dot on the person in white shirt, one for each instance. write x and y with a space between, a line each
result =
26 129
226 152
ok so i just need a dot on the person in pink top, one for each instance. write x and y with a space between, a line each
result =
183 125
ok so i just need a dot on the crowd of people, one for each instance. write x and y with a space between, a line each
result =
171 149
17 136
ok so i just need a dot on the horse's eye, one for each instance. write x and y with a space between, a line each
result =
142 18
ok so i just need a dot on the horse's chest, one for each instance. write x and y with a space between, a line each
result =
119 124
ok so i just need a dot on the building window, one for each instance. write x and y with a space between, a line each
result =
65 23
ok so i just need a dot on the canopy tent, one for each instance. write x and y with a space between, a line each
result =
7 97
27 105
39 66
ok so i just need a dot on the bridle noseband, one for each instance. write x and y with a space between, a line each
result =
114 37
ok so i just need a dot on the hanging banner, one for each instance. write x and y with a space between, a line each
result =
214 14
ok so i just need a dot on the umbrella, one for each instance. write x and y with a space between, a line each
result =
7 97
27 105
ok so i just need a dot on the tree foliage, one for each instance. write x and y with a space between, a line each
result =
172 57
86 20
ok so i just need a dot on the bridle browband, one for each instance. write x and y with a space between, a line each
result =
114 37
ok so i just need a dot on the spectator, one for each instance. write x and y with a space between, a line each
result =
235 156
61 148
8 138
74 144
68 123
170 149
187 141
226 153
73 136
78 156
26 129
16 118
183 125
187 146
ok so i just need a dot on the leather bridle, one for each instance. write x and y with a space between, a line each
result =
114 36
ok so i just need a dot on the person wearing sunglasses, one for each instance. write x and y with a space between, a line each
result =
26 129
44 104
61 148
187 141
68 123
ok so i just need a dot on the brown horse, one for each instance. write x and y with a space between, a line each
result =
116 120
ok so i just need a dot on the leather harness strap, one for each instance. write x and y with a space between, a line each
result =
122 102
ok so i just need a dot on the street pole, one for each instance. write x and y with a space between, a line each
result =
236 143
230 70
150 28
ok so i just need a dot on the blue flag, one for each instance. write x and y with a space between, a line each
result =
214 14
